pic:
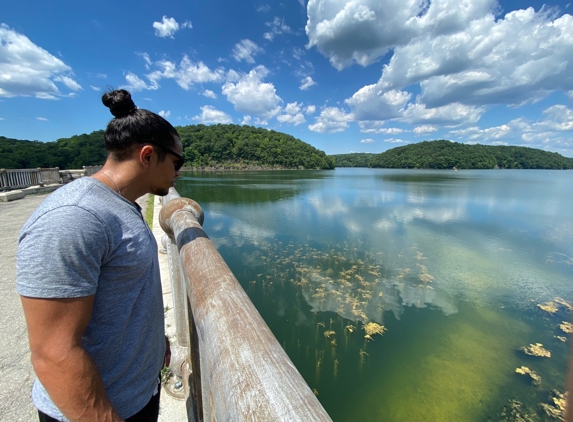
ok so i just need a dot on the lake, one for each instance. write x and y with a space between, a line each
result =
452 265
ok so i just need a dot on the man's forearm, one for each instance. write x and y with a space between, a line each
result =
75 386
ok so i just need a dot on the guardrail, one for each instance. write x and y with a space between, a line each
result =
231 364
23 178
11 179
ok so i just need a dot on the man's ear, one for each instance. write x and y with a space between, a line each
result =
145 154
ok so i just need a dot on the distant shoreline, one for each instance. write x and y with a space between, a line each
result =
240 168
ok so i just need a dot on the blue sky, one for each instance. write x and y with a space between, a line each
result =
341 75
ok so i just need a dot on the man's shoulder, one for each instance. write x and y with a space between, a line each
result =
73 193
81 197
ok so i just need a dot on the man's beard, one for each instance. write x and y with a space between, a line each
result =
160 191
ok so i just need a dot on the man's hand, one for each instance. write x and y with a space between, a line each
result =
67 372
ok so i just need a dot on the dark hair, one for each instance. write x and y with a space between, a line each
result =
132 126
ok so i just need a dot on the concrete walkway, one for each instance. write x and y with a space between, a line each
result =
17 373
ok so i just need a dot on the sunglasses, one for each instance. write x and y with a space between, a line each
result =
181 160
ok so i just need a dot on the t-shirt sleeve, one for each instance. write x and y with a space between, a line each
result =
60 254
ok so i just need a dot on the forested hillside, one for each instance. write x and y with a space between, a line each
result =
66 153
230 146
234 145
444 154
355 159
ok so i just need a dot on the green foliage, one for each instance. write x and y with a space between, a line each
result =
355 159
444 154
149 210
230 146
237 146
65 153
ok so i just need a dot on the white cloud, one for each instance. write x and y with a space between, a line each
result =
559 118
209 94
246 120
362 31
371 103
449 115
395 141
165 114
95 88
424 129
306 83
250 95
514 60
101 76
69 82
210 114
459 55
293 108
370 126
277 27
366 141
517 59
550 133
390 130
245 50
169 26
186 74
145 58
331 120
311 109
135 83
42 119
515 130
29 70
297 53
295 119
263 8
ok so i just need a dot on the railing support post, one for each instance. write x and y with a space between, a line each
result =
40 180
3 179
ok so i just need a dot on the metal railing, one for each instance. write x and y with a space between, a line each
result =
231 364
67 176
11 179
91 170
23 178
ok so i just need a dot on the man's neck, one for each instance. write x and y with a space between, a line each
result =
122 178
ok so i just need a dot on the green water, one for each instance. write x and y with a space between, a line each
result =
452 264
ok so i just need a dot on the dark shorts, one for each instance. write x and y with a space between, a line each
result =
150 413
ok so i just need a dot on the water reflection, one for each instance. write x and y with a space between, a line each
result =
449 252
246 187
483 239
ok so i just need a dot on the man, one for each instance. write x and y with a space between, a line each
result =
88 276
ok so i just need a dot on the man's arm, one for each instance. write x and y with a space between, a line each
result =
67 372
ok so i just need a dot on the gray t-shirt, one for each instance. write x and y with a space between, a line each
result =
85 240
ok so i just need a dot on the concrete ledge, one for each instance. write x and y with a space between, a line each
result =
31 190
12 195
49 188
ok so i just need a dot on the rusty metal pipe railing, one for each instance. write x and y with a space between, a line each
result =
240 371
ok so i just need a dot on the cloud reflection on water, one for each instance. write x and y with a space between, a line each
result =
485 236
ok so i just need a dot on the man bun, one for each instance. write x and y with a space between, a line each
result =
119 102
